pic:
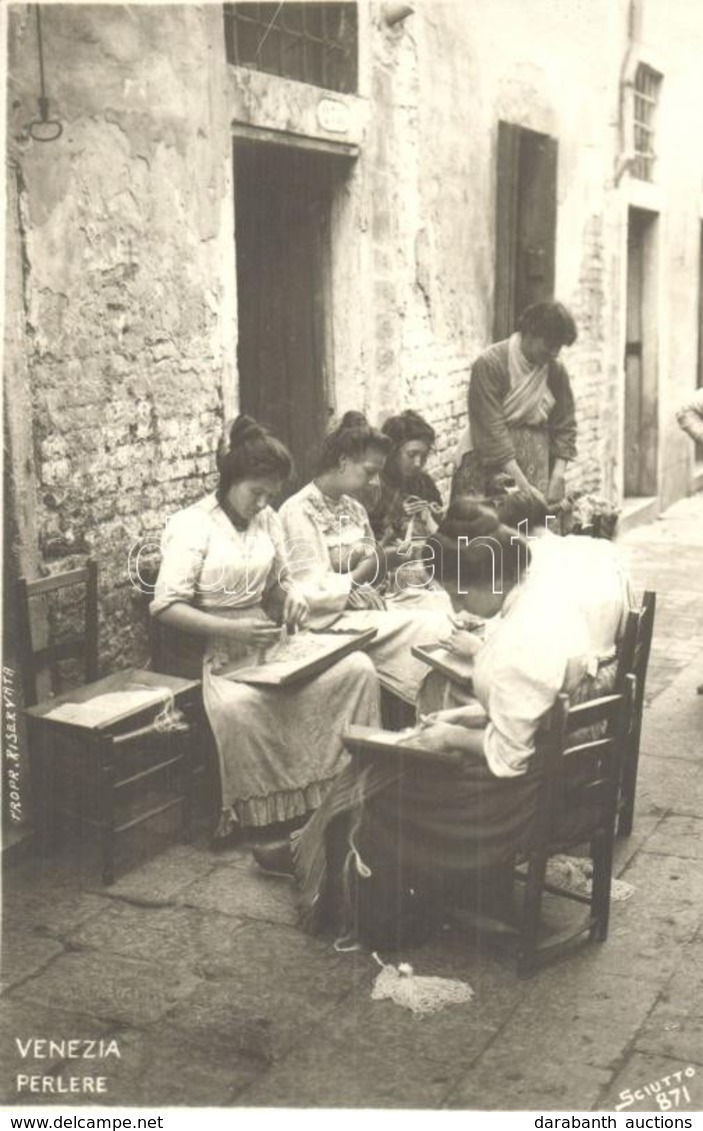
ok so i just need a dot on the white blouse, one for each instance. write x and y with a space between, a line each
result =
207 562
553 629
325 540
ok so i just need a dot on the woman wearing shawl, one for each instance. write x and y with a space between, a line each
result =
521 409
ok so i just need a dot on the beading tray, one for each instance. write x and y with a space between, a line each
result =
305 655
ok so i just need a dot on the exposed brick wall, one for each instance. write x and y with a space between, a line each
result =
586 361
122 287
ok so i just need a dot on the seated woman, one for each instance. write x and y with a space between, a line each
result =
587 568
280 748
338 564
406 507
390 836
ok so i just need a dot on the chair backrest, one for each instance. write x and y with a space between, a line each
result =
580 759
635 647
35 624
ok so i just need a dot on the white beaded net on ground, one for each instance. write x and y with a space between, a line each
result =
575 873
422 995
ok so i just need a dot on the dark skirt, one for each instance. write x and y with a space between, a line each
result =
390 839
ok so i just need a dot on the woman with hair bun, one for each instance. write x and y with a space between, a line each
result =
279 749
393 837
406 507
338 563
522 420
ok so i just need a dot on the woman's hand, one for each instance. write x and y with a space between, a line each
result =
365 597
295 609
471 715
470 622
250 631
439 736
414 505
462 644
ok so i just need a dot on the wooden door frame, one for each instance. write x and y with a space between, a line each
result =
322 308
648 476
512 142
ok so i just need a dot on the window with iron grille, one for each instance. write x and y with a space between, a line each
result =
310 42
646 97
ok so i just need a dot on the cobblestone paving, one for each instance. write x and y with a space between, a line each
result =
193 963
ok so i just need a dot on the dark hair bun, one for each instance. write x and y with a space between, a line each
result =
409 425
251 451
352 437
353 419
466 518
245 428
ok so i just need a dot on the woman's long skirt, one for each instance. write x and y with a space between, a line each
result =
392 829
399 628
280 749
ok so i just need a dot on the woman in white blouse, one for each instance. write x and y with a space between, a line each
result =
340 567
280 748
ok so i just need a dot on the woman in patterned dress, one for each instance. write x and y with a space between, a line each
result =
340 567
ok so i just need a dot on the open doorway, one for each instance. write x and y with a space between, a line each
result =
526 220
283 220
641 416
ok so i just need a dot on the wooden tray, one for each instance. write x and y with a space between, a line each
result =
384 743
443 661
334 645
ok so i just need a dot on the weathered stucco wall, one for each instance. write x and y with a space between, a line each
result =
673 38
122 260
126 244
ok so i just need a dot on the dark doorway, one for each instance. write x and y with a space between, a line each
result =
283 206
641 371
526 219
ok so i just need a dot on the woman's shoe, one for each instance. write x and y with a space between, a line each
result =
275 859
227 833
231 839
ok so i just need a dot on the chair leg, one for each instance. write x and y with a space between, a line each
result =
629 786
602 856
532 906
42 793
107 836
187 783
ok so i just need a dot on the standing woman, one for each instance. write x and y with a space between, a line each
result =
339 565
279 748
522 419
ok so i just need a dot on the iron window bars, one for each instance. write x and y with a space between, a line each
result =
310 42
646 97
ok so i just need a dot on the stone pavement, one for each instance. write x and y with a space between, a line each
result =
194 965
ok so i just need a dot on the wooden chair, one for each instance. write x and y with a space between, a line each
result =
82 646
633 660
577 802
114 771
